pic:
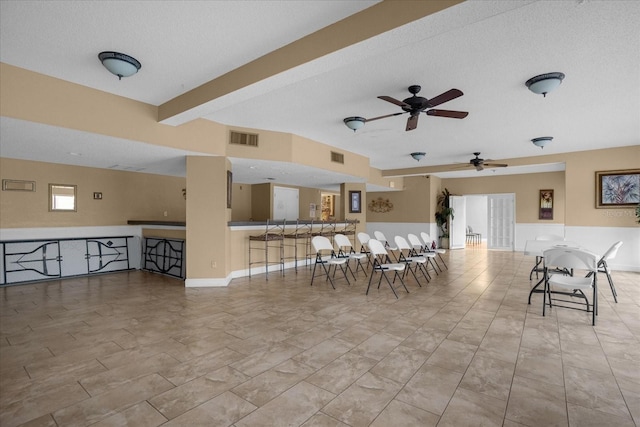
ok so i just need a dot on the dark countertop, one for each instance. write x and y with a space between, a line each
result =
231 223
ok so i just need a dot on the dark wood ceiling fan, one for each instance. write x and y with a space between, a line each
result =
414 105
480 164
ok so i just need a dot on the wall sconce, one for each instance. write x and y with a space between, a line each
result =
544 83
542 141
354 123
418 155
119 64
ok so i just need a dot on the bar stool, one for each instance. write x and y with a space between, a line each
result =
301 235
272 238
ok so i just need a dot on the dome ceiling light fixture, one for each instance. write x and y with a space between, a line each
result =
542 141
119 64
419 155
354 123
544 83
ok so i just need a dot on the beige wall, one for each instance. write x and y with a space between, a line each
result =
125 196
240 202
581 186
409 205
526 188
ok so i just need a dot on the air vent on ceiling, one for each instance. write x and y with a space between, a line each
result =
337 157
240 138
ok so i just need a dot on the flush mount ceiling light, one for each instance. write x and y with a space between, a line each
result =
544 83
354 123
119 64
542 141
418 155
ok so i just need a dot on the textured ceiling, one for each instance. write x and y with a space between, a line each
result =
487 49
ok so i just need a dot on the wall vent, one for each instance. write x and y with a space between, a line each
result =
241 138
337 157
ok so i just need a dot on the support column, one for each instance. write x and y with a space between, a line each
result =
208 232
345 204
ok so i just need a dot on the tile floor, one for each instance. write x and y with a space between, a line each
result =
140 349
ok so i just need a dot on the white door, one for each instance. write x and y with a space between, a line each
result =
285 203
501 224
457 227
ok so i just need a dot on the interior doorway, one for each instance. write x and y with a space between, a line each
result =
491 215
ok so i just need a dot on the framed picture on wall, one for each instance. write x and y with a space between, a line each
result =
617 189
229 184
355 202
546 204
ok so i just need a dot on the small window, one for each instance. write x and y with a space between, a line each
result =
62 197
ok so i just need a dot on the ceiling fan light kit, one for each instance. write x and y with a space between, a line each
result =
354 123
542 141
119 64
544 83
418 155
414 105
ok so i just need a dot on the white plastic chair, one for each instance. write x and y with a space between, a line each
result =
364 238
379 235
405 254
418 250
538 267
322 245
427 247
382 266
561 259
345 250
604 268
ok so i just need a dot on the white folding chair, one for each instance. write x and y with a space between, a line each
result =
364 238
379 235
345 250
427 248
382 265
538 267
558 261
418 262
322 246
604 268
418 250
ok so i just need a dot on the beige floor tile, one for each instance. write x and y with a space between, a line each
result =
595 390
222 410
401 364
300 347
323 420
453 355
539 365
361 403
268 385
342 372
293 407
470 408
401 414
535 403
140 415
491 377
179 400
586 417
92 410
430 388
30 407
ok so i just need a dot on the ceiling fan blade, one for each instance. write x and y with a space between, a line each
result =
394 101
412 122
444 97
448 113
383 117
496 165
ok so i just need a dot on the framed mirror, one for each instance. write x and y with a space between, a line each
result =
62 197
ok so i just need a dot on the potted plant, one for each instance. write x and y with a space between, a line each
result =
443 213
